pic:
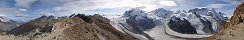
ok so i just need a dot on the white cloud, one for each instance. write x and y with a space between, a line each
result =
21 7
216 5
20 15
168 3
2 15
24 3
6 10
82 5
85 6
152 2
11 11
47 14
23 10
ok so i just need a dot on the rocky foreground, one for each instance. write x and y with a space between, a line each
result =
75 27
134 24
234 30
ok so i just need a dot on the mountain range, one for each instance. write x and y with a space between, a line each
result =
134 24
199 22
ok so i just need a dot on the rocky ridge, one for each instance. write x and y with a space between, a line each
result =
76 27
234 29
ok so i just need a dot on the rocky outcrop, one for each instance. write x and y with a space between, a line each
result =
234 29
207 25
98 29
137 21
181 25
238 16
140 25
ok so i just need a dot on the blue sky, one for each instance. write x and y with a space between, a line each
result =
23 10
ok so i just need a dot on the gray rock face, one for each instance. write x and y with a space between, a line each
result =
140 25
181 26
206 23
207 26
136 21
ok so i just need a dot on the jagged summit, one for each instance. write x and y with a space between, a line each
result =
161 12
206 20
134 12
209 12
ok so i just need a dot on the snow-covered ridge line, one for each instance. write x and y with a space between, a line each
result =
3 19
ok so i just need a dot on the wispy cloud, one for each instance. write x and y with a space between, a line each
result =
82 5
24 3
216 5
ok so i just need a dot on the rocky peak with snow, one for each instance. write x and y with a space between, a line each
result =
7 24
205 20
134 12
181 25
3 19
205 12
161 12
202 21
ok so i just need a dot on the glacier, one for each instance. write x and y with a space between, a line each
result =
206 21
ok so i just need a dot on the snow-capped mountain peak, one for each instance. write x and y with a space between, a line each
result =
134 12
161 12
206 12
3 19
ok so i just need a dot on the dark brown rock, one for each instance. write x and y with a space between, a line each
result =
238 16
99 29
234 29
